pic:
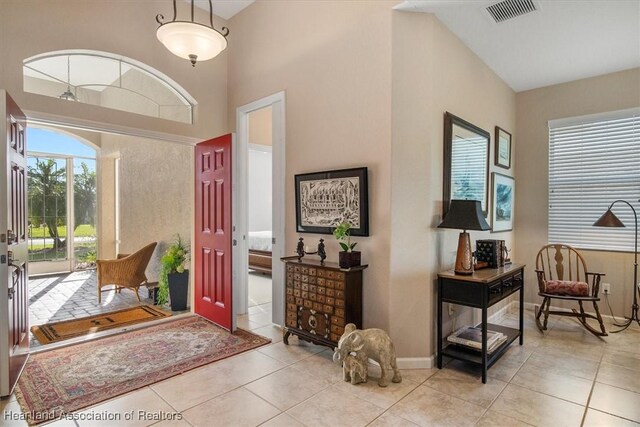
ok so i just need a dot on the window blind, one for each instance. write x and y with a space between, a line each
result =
593 161
469 169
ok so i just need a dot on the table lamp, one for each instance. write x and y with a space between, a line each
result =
464 215
609 219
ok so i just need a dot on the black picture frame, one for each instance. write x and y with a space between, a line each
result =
352 182
502 151
452 126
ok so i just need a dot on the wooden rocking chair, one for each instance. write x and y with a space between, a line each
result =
128 271
562 274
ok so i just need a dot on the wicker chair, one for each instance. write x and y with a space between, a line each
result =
562 274
128 271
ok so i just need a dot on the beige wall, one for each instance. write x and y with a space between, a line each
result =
433 72
156 193
332 59
535 108
260 126
107 206
366 86
31 27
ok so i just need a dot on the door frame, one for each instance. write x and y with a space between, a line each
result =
277 103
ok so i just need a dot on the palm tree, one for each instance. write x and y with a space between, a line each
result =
84 193
47 197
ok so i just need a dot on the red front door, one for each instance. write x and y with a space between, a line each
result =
213 235
14 296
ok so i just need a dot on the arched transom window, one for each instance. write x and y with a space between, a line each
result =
107 80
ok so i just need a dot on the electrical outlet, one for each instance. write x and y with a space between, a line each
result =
452 309
606 288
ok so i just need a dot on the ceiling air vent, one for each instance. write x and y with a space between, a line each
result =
509 9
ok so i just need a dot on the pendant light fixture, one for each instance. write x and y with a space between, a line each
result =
67 94
189 39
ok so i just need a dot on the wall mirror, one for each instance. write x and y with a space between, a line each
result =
466 162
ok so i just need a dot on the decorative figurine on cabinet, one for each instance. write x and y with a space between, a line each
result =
300 249
367 344
505 255
321 251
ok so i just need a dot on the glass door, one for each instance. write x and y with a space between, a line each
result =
62 207
47 207
85 239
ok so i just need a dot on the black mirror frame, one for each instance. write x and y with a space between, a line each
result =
449 121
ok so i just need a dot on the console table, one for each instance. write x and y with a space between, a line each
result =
321 298
482 289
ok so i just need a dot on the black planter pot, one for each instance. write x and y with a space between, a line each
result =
178 290
349 259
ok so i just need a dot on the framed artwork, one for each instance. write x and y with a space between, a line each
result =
325 199
503 148
502 194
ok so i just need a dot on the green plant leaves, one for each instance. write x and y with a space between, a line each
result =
173 261
342 232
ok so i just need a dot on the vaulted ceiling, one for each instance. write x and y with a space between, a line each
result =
564 40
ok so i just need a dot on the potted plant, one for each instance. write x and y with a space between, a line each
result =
347 257
174 277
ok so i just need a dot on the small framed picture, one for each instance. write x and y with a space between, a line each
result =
503 148
502 195
326 199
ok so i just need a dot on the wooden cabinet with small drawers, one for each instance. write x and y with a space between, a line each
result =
321 298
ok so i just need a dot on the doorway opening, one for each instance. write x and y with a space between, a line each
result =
62 196
260 225
129 215
260 206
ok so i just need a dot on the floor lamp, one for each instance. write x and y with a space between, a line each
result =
609 219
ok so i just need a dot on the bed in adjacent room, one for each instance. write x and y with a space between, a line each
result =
260 251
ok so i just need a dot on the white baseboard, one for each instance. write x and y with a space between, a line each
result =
532 307
416 362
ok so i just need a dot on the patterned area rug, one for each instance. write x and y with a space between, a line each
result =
59 331
71 378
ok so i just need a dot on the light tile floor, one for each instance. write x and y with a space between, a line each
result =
72 296
565 378
259 288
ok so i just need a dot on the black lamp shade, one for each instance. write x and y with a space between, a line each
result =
465 215
608 219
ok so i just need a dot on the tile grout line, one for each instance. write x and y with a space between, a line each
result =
229 391
244 384
305 400
267 402
389 408
170 405
400 400
503 389
593 386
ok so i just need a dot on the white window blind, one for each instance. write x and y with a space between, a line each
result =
593 161
469 169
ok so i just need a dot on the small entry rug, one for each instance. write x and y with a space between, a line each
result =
59 331
57 382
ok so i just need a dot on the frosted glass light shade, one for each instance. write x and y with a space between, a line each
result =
189 38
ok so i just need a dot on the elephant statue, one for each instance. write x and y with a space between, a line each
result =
369 344
354 370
